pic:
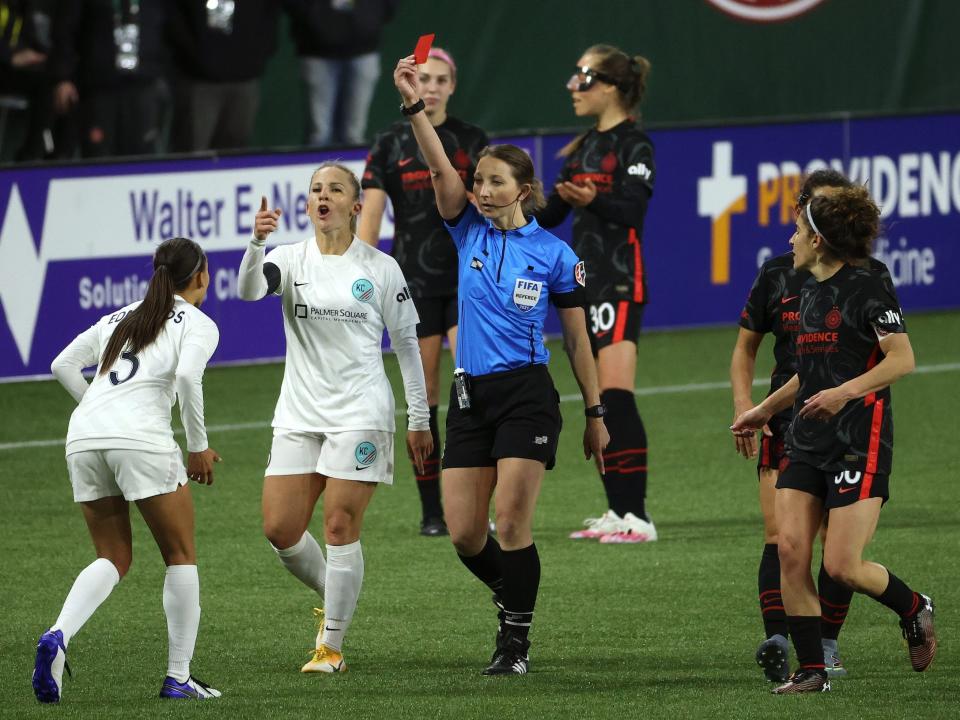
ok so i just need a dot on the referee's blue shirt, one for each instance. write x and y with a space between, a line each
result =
506 280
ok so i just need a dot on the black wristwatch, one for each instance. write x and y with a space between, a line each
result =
413 109
595 411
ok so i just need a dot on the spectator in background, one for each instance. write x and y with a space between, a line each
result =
108 61
25 107
337 42
220 50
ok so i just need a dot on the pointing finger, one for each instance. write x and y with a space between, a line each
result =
263 203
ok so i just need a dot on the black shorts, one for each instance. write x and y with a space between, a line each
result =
773 453
612 321
437 315
513 414
836 489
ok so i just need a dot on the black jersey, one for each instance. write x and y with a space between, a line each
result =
840 324
421 244
773 306
607 233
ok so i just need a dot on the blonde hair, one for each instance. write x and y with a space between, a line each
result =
354 184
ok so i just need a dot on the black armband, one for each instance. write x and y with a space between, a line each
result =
272 273
575 298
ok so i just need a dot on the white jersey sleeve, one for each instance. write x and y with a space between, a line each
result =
283 257
82 352
405 345
197 346
397 306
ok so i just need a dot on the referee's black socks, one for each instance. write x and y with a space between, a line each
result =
487 565
625 459
428 483
521 581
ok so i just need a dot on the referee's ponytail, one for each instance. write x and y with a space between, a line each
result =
521 166
175 263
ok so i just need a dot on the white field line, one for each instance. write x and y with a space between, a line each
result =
641 392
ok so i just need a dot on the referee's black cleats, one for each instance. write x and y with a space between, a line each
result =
510 657
804 681
772 656
920 635
433 527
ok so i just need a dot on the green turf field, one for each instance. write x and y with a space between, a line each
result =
663 630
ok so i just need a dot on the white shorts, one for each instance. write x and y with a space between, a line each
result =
135 474
365 455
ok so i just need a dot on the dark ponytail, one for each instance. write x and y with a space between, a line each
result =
175 263
629 74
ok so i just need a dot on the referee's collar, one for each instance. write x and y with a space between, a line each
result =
530 228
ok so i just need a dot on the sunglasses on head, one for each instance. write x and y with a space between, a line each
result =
584 78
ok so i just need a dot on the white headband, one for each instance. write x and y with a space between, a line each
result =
812 223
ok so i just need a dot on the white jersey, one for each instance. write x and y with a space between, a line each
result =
128 407
335 309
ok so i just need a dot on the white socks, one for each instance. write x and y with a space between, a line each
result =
305 561
344 577
92 586
181 603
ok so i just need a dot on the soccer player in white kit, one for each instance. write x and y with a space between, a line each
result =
334 421
120 448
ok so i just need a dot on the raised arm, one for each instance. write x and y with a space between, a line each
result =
254 278
447 185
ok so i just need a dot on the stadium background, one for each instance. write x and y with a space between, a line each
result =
652 632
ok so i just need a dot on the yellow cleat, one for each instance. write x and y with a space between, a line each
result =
325 660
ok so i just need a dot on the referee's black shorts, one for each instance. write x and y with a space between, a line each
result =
513 414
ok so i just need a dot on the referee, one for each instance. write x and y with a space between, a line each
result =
421 244
504 418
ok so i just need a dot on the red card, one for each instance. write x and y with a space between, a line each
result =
422 50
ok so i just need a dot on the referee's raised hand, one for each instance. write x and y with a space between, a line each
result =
406 77
266 220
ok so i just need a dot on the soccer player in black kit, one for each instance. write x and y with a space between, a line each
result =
851 345
773 307
607 180
421 245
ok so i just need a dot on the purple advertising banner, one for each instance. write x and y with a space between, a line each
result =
76 242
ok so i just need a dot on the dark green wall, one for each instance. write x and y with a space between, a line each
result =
514 58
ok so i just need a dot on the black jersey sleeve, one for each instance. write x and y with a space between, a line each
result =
880 308
554 212
629 206
754 315
375 173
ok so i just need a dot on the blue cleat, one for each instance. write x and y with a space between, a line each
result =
48 667
192 689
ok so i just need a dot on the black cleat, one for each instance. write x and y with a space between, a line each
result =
804 681
510 657
772 656
920 635
433 527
